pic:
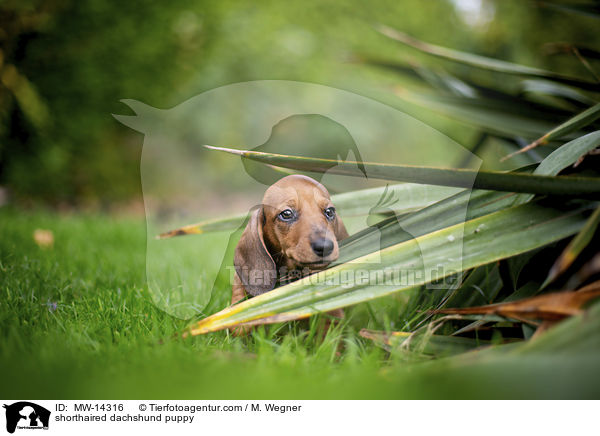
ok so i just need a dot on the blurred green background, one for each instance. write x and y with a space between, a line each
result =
66 64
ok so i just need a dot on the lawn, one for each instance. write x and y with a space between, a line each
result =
76 321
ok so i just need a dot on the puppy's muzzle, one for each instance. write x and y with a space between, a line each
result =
322 247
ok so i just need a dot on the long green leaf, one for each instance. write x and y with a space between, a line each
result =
464 178
575 247
486 239
564 156
207 226
567 154
496 116
583 119
557 97
587 9
409 197
436 345
484 62
552 89
463 206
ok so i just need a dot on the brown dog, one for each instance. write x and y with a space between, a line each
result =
295 231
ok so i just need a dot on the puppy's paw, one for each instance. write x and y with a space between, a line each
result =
240 331
337 313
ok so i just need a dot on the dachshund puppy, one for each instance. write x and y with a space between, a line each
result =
295 231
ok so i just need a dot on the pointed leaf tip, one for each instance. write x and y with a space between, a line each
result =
226 150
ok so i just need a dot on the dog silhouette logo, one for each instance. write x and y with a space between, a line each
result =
26 415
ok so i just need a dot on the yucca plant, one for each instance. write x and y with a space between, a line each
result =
528 233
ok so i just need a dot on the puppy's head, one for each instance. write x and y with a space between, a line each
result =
296 227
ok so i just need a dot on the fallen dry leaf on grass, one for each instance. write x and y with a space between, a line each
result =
43 238
549 307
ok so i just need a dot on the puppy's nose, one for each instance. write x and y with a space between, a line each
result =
322 246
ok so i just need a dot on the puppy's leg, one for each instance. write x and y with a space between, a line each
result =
334 317
337 313
238 293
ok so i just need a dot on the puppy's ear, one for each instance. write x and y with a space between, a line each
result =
253 263
340 229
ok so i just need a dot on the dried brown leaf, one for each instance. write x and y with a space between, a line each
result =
549 307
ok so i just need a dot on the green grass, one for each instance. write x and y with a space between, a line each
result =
106 339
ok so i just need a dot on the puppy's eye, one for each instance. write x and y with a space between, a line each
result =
287 215
330 213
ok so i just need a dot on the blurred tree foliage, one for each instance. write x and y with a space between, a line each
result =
65 64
